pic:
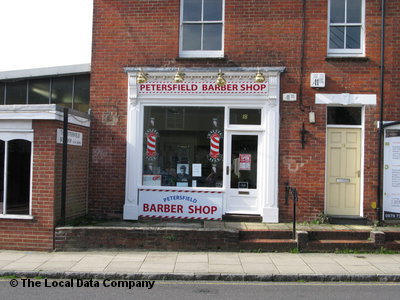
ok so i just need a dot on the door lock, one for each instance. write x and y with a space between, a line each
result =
227 170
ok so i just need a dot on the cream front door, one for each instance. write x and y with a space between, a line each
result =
343 171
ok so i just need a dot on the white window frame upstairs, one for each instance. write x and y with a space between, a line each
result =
201 53
359 52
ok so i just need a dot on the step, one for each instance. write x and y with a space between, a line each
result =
344 220
392 235
268 244
242 218
331 245
264 234
393 245
338 235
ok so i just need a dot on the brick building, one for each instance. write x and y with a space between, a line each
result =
158 110
207 108
31 153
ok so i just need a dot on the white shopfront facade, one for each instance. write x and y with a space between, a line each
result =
196 150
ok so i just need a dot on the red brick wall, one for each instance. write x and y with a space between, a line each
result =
38 234
257 33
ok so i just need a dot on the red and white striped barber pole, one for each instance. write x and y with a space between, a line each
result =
214 145
151 144
215 137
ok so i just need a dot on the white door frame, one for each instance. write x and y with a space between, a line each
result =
362 127
257 193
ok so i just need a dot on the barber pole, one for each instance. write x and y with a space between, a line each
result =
215 137
151 144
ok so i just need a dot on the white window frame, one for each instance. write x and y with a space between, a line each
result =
201 53
360 52
8 136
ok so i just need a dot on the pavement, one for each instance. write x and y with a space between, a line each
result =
227 266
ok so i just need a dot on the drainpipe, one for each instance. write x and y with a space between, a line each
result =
64 167
381 127
303 37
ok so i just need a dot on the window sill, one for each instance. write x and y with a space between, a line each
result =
223 59
347 58
16 217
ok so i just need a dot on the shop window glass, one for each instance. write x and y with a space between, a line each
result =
61 91
39 91
16 92
81 92
183 146
2 89
18 175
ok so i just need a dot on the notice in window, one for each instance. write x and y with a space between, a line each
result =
244 162
196 170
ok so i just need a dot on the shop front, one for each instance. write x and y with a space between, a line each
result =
201 149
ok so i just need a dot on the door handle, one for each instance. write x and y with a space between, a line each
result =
227 170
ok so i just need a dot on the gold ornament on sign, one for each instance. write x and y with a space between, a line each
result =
179 77
259 77
141 77
220 79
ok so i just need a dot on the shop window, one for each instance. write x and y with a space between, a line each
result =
16 92
2 90
39 91
61 91
186 152
15 176
338 115
346 27
202 28
68 91
81 92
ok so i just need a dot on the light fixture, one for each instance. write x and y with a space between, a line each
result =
259 77
141 77
179 76
220 79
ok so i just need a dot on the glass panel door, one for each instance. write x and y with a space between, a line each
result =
244 161
243 172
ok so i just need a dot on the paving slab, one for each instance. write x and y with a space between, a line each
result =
92 263
21 266
250 258
123 266
259 268
327 268
294 269
223 259
195 267
55 266
192 257
130 256
363 269
157 268
224 268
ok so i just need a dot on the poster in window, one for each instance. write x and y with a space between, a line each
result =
152 180
244 162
